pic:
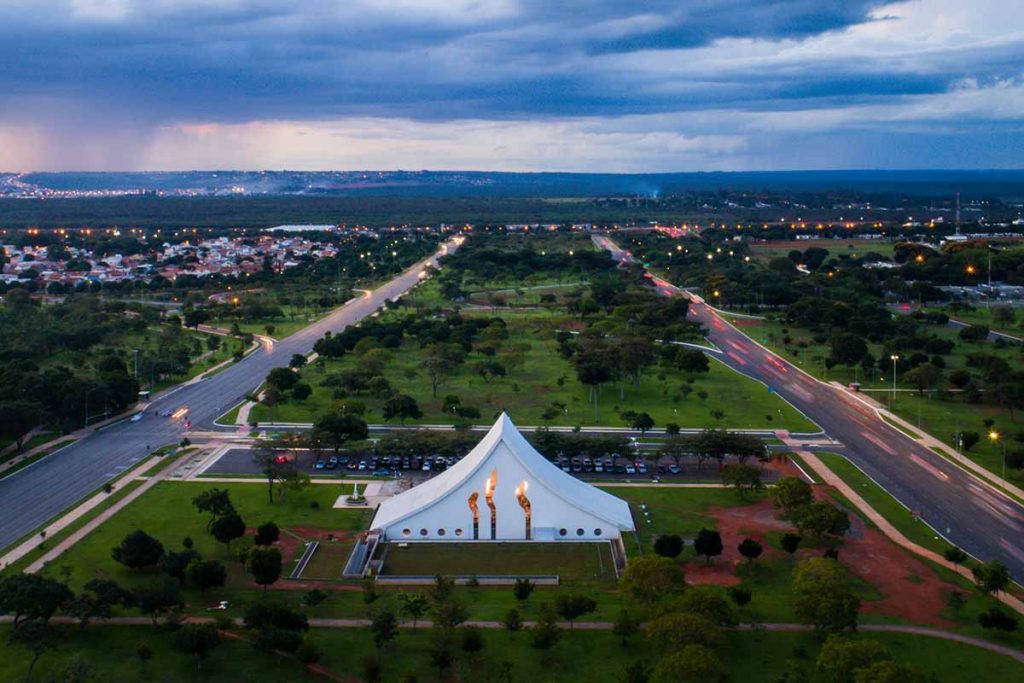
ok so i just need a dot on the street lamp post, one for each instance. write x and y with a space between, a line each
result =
894 358
994 438
87 404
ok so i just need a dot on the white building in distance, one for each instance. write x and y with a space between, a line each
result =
503 490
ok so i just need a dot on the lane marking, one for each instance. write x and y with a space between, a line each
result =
878 442
929 468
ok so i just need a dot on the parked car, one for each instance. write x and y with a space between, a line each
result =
674 469
641 468
320 464
362 466
630 469
426 466
598 467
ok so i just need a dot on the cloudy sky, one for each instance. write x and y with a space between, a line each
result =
575 85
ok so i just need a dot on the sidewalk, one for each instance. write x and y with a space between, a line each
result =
832 479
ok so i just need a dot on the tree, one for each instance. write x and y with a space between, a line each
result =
265 565
668 545
545 633
439 362
750 549
649 578
708 543
297 361
31 596
301 391
706 601
342 427
888 671
691 361
694 663
282 378
36 636
449 613
175 563
204 574
17 418
675 630
822 596
227 528
403 407
472 639
955 555
847 349
840 657
625 627
790 493
572 607
522 589
592 369
267 534
790 542
742 477
198 640
137 550
274 467
97 601
513 622
158 597
924 377
637 672
820 518
991 577
998 620
441 651
413 605
642 422
968 440
384 627
739 595
215 502
488 369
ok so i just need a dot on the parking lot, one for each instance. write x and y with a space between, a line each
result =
239 461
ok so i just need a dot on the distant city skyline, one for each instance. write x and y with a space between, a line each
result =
510 85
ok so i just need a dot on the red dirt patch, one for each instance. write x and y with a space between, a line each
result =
910 589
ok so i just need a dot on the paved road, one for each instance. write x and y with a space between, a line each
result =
36 493
970 514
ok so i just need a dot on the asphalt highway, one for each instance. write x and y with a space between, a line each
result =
985 523
31 496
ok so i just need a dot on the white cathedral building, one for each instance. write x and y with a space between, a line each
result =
503 490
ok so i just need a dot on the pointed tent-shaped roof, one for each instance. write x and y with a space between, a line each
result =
546 475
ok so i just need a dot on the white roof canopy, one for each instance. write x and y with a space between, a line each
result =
505 461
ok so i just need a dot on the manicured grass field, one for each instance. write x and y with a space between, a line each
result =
166 513
329 560
569 560
527 391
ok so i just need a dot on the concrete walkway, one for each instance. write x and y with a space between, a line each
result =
894 534
594 626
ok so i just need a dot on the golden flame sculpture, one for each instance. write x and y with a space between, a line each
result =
476 514
492 481
524 503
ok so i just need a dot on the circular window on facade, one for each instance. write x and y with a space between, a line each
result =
458 532
563 532
423 532
579 532
440 532
597 532
407 532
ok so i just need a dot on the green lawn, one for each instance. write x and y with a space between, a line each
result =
531 389
582 656
166 513
329 560
568 560
111 653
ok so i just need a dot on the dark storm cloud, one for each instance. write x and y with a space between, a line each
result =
315 59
